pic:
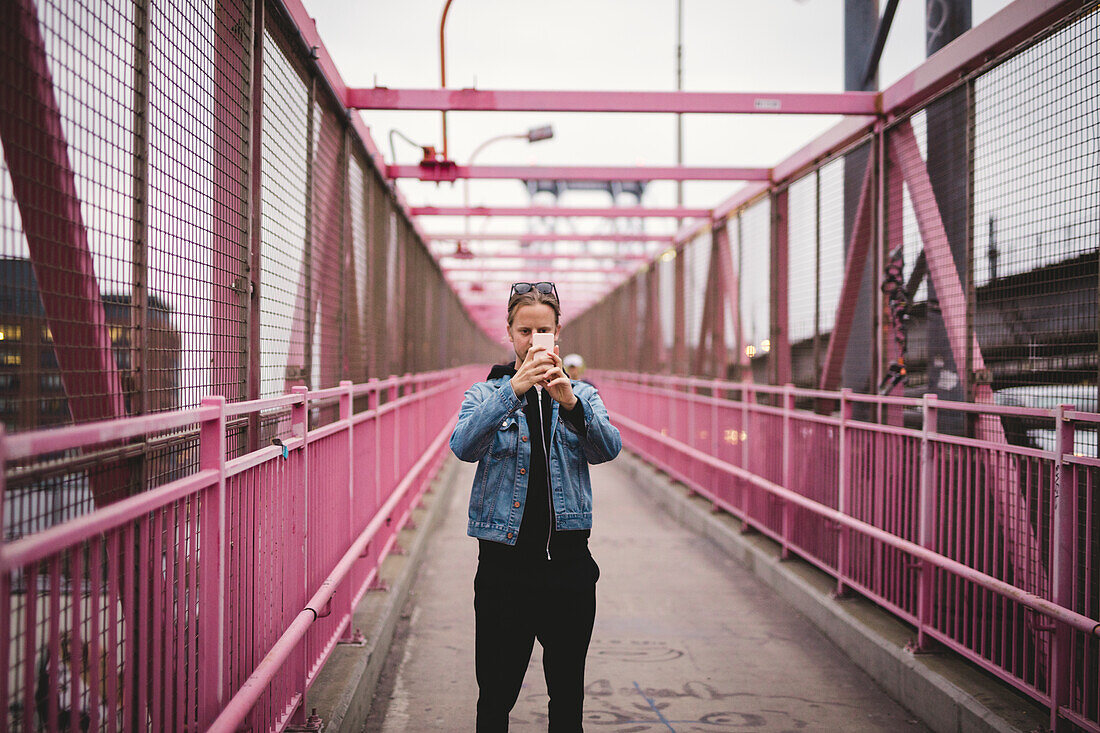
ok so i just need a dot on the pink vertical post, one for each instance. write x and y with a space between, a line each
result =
780 346
788 413
1062 570
299 534
844 487
346 398
715 438
926 516
690 438
212 455
746 487
255 230
372 407
395 396
679 343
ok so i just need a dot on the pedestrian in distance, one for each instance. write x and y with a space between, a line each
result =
574 366
533 432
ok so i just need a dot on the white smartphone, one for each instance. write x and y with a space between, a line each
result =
543 339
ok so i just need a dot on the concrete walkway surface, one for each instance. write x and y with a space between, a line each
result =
685 639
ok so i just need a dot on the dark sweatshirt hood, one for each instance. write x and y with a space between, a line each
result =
502 370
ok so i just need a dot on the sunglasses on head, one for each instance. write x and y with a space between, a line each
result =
546 288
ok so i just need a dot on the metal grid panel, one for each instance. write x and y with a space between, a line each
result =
1036 220
833 245
802 292
697 252
198 123
755 257
66 224
734 330
285 290
329 177
358 263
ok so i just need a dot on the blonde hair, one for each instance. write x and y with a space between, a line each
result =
532 297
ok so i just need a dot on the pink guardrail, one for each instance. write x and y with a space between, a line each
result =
214 599
987 548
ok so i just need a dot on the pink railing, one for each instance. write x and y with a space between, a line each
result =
213 600
987 548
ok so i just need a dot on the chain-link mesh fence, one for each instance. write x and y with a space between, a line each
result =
979 233
186 211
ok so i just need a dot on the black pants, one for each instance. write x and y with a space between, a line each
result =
557 606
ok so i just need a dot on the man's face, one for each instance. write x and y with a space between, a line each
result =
529 320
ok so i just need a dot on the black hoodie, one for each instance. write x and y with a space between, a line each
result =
530 547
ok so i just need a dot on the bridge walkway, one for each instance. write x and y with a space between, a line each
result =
686 639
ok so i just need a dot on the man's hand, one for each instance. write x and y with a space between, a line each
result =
535 369
558 384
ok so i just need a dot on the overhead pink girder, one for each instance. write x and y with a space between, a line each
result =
479 258
551 237
608 212
484 268
465 286
486 100
447 172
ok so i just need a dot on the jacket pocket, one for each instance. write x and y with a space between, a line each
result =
507 437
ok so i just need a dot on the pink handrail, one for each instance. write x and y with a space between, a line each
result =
238 708
1037 603
902 515
230 545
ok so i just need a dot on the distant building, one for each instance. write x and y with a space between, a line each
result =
32 394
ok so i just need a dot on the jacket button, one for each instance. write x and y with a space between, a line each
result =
523 439
522 471
516 505
509 535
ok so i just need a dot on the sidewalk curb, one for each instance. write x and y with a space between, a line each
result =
345 686
946 693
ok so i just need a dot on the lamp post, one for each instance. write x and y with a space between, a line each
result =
532 136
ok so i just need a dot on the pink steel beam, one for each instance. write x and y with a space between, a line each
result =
45 191
1011 511
550 237
449 172
480 258
483 269
607 212
1017 22
484 100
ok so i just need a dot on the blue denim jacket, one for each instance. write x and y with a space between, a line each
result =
492 430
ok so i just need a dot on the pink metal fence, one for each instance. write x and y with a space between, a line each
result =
986 548
215 599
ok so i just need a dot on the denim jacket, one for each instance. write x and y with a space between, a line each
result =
492 430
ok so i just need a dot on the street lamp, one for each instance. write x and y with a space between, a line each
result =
532 136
